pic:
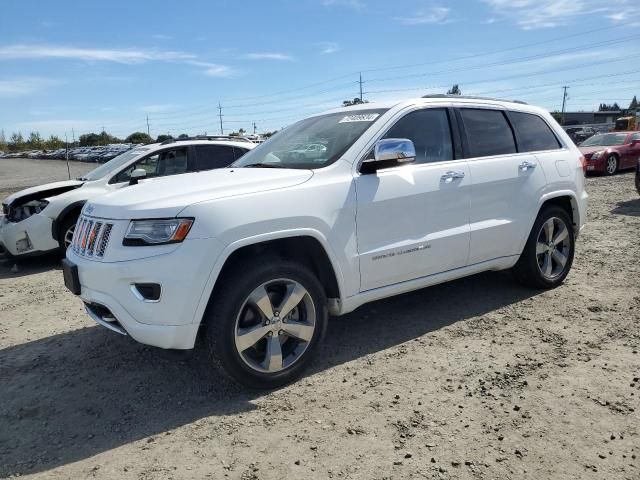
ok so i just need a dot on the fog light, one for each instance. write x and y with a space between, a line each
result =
147 291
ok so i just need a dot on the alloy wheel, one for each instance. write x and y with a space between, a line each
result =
612 165
552 248
275 326
68 236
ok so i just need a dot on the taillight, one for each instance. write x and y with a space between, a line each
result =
583 162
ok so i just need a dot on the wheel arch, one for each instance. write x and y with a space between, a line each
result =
70 209
307 246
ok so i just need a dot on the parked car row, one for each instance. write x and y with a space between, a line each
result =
335 211
101 153
611 152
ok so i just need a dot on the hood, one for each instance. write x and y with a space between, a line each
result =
166 197
596 148
41 192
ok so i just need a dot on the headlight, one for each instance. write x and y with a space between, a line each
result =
157 232
596 155
26 210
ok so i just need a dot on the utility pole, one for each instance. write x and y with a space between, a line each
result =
66 154
360 82
148 131
220 114
73 136
254 128
564 101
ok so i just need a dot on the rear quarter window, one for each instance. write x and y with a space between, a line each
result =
533 133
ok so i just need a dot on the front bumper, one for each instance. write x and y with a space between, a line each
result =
31 236
170 322
597 166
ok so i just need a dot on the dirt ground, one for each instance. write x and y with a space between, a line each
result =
479 378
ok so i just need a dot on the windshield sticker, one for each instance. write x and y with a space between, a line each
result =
363 117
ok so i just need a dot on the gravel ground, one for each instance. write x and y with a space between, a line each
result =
479 378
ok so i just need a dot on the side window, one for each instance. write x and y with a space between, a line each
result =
430 132
161 164
214 156
238 152
635 137
488 132
533 134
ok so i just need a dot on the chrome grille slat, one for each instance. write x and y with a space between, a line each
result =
91 237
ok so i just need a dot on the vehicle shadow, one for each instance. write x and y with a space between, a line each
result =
74 395
10 268
629 207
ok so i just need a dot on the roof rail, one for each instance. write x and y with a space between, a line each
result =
471 97
207 137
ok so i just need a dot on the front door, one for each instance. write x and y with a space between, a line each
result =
413 220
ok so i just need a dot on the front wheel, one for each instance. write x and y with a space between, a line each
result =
265 322
548 254
638 181
65 236
612 165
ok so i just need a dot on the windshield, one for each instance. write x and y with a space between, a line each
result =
113 164
605 140
312 143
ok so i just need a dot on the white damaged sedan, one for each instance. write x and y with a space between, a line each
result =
42 219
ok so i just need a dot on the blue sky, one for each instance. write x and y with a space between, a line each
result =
85 65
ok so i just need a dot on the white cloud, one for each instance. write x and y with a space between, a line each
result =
19 87
214 69
534 14
269 56
327 48
128 56
121 56
431 15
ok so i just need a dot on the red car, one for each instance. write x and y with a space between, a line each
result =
609 152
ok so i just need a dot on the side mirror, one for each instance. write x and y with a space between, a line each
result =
388 153
136 175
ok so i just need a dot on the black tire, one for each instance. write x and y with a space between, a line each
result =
528 270
611 159
638 181
67 223
225 310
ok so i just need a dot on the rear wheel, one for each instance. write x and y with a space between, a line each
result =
548 254
611 166
265 322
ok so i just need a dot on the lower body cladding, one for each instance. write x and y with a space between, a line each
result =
154 299
29 237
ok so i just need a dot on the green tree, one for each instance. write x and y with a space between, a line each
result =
634 104
455 90
139 137
16 142
54 143
355 101
89 140
182 136
3 141
162 138
35 141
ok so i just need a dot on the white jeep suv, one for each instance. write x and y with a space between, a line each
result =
42 219
260 253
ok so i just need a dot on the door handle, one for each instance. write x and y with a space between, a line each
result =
526 165
451 175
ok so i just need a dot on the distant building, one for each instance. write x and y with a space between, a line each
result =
590 118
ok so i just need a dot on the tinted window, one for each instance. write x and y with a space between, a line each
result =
429 130
488 132
214 156
239 151
167 162
533 133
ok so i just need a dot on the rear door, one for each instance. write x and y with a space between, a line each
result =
506 184
413 220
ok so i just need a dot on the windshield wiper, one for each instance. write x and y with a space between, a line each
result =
263 165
